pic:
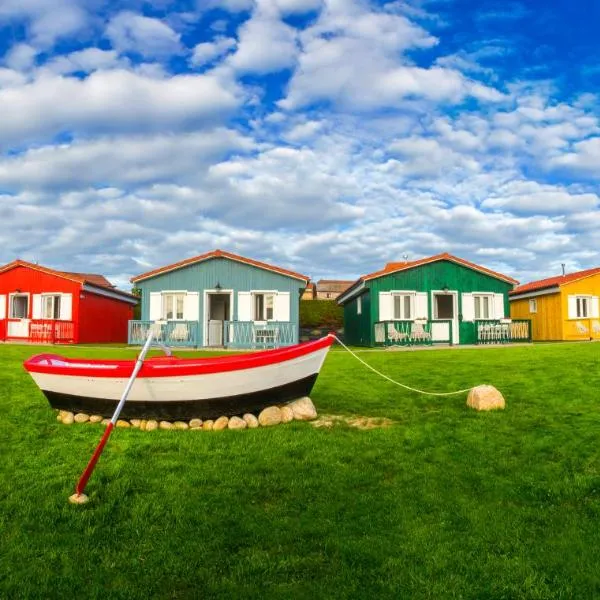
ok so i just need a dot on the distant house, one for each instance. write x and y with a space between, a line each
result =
330 289
441 298
220 299
564 307
43 305
309 292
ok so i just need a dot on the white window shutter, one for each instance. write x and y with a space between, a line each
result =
2 306
386 306
572 307
498 306
281 307
595 307
421 306
468 307
66 307
244 310
191 306
36 306
155 308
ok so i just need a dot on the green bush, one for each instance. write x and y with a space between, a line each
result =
321 313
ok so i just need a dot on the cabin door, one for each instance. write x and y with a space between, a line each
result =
445 308
219 307
18 323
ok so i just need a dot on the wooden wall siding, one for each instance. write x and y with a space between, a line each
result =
435 276
590 286
103 320
546 323
230 275
358 329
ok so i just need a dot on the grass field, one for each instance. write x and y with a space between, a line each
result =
445 503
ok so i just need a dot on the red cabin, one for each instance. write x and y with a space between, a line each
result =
42 305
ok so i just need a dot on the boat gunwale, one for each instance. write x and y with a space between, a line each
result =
169 366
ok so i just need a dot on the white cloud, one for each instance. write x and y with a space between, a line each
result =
352 57
298 6
112 101
85 61
583 157
265 43
21 57
123 161
206 52
533 197
47 20
131 32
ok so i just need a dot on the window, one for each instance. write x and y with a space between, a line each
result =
533 305
583 307
359 305
483 304
403 306
263 307
19 306
173 307
51 307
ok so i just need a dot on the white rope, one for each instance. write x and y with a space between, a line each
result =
407 387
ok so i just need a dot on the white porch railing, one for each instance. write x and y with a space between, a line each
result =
268 334
412 333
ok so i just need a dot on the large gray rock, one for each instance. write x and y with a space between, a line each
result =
96 419
303 409
81 418
151 425
180 425
208 425
165 425
195 423
485 397
270 416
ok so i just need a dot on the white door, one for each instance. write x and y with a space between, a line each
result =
445 306
18 311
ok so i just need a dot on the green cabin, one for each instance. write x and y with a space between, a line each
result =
439 299
219 299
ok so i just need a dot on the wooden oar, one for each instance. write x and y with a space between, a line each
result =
79 497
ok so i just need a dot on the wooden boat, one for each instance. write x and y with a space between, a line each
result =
174 388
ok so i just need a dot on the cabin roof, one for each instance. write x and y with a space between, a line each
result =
219 254
553 282
396 267
93 279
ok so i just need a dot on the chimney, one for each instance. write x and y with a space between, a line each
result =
563 268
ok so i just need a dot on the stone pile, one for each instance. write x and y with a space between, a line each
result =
302 409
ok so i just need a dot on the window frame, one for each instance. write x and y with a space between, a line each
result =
478 299
55 305
402 303
264 316
583 307
11 305
173 296
533 306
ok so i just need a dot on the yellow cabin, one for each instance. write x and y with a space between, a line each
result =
565 307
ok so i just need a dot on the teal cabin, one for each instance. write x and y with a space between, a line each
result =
439 299
219 299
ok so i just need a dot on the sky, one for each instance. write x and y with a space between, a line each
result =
324 136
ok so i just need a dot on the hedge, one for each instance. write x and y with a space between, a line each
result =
321 313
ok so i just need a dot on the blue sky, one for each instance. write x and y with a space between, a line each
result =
325 136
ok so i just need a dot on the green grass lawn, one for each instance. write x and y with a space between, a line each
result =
445 503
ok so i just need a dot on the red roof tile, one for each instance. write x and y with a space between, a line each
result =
549 282
218 254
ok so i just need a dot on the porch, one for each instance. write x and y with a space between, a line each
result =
422 332
37 331
235 334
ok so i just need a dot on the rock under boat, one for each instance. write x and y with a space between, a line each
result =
168 387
